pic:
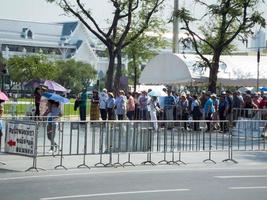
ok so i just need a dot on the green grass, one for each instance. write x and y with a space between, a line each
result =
24 105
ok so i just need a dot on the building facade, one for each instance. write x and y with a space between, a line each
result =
58 41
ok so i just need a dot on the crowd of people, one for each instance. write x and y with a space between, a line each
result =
174 106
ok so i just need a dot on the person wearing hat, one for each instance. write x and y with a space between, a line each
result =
110 106
103 97
208 110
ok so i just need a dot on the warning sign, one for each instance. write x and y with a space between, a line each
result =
20 138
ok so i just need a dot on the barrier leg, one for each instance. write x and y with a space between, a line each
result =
34 166
85 149
210 146
149 154
34 162
165 148
109 164
230 149
128 162
179 160
118 162
61 152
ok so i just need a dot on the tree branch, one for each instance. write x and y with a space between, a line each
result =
144 27
91 18
68 7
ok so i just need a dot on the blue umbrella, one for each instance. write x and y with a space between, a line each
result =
55 97
264 89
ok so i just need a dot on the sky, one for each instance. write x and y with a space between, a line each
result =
41 11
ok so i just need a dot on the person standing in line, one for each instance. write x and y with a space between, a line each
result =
215 116
169 103
120 104
94 111
130 106
154 108
208 110
82 105
143 100
196 112
238 103
110 106
184 105
223 105
103 97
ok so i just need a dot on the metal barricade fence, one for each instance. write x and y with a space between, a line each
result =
172 138
249 135
249 113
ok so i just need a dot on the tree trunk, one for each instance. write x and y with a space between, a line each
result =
214 73
118 75
110 72
135 72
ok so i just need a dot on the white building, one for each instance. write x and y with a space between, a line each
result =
56 40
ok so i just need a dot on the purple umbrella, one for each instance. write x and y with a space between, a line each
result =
51 85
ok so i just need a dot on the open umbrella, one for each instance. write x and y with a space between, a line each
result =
157 93
3 96
51 85
55 97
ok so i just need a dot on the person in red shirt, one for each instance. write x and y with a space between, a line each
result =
263 106
130 106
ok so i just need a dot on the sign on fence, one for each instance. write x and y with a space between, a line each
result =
20 138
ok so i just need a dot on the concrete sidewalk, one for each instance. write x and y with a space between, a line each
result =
15 163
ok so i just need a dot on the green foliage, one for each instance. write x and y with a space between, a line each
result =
26 68
75 75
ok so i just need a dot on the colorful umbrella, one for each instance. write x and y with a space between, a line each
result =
51 85
55 97
3 96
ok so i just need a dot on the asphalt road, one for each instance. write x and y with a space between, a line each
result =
157 183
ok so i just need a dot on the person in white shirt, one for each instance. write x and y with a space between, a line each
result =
103 98
154 108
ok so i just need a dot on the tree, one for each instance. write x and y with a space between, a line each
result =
75 75
25 68
224 21
141 50
123 21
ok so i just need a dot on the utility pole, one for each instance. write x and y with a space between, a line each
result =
175 41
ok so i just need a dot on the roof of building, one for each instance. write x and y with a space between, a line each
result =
57 34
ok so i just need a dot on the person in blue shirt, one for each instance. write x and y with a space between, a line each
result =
169 103
208 110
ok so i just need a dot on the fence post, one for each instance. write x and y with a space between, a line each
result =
84 148
149 160
61 147
165 147
210 147
230 147
34 163
101 141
